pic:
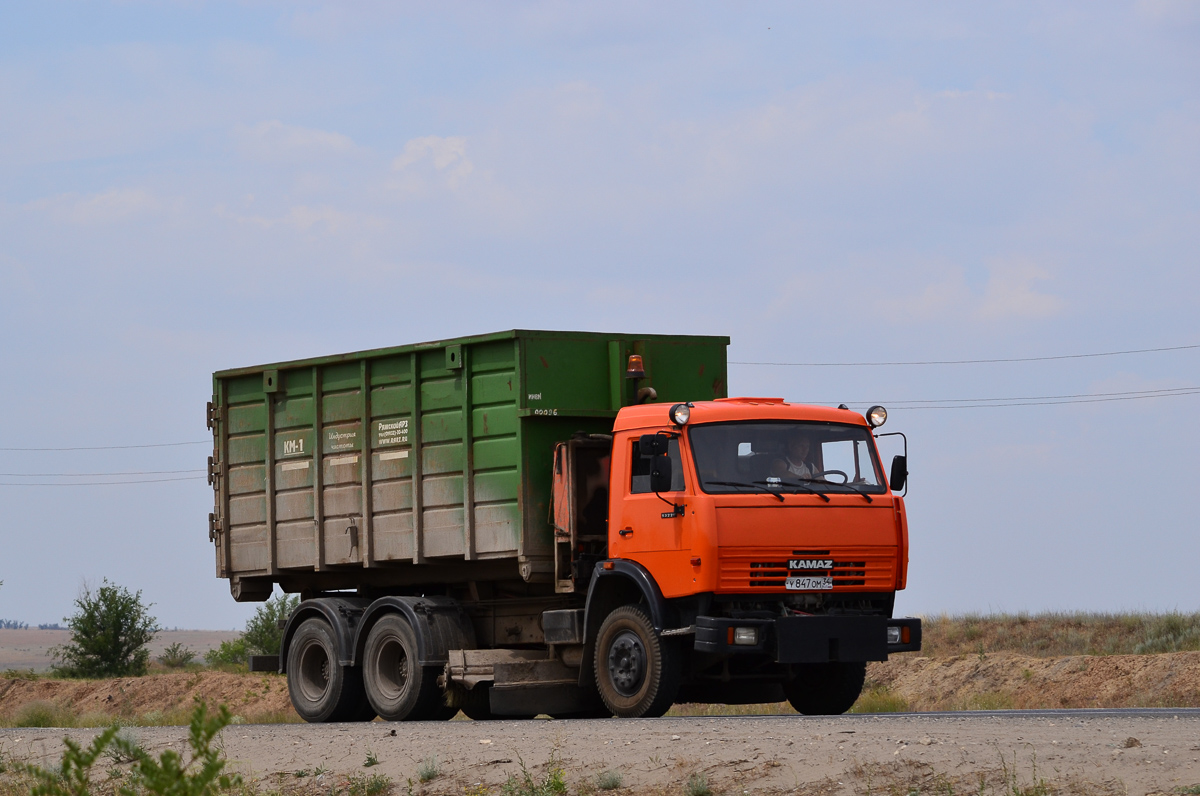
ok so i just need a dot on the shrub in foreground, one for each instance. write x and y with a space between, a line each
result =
109 634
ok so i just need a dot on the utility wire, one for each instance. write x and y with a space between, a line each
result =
105 483
967 361
98 475
990 403
115 447
1131 394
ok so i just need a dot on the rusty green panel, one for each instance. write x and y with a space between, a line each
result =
293 412
527 391
341 407
247 417
392 400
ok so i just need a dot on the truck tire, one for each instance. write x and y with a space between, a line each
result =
321 690
399 688
825 689
637 671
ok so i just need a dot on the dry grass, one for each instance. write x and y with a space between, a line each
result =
1054 634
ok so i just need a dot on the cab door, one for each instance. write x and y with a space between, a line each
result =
643 526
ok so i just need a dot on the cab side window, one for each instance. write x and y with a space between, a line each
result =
639 468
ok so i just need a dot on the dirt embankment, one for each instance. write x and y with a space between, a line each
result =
963 682
162 698
1007 680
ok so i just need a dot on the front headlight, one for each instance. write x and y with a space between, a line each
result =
679 414
876 416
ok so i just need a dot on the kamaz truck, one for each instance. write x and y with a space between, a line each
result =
562 523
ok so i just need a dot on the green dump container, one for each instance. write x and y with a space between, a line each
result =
471 421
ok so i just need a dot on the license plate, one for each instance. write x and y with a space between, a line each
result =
808 584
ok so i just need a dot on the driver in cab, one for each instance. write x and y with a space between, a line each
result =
796 463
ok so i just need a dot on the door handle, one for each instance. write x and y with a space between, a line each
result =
626 532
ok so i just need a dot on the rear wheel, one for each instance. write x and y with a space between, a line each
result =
321 689
637 671
825 689
399 688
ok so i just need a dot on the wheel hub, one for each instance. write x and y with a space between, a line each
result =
627 663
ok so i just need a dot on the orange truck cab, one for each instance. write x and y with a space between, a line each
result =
751 553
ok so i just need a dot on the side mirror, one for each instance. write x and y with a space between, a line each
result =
653 444
899 474
660 473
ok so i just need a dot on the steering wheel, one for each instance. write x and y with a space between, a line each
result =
823 473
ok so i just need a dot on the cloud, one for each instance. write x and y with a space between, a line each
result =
304 218
447 155
1009 293
117 204
273 140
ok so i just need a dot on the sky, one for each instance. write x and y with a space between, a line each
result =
192 186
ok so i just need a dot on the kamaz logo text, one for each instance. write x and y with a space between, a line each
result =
810 563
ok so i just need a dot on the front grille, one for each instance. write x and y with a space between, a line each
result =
767 570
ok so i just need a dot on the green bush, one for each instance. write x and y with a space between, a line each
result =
176 656
109 634
263 635
229 653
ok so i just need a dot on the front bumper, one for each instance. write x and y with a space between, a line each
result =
810 639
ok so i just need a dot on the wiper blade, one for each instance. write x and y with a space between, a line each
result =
755 486
797 485
849 486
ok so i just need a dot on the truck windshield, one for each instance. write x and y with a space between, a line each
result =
782 456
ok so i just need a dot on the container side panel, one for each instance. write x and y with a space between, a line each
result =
442 425
496 453
341 438
344 501
294 413
248 548
294 506
494 421
390 496
247 478
566 374
494 388
440 491
294 544
341 469
497 526
295 474
394 399
494 355
443 393
341 376
246 418
247 510
443 532
340 407
393 536
390 369
295 444
244 389
439 459
495 486
342 543
297 382
686 371
251 448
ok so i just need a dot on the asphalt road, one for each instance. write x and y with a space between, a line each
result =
1134 751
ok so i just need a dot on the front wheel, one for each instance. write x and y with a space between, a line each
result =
320 688
400 689
637 671
825 689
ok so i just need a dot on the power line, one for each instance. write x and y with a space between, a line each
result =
115 447
1165 392
1046 400
967 361
98 475
105 483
